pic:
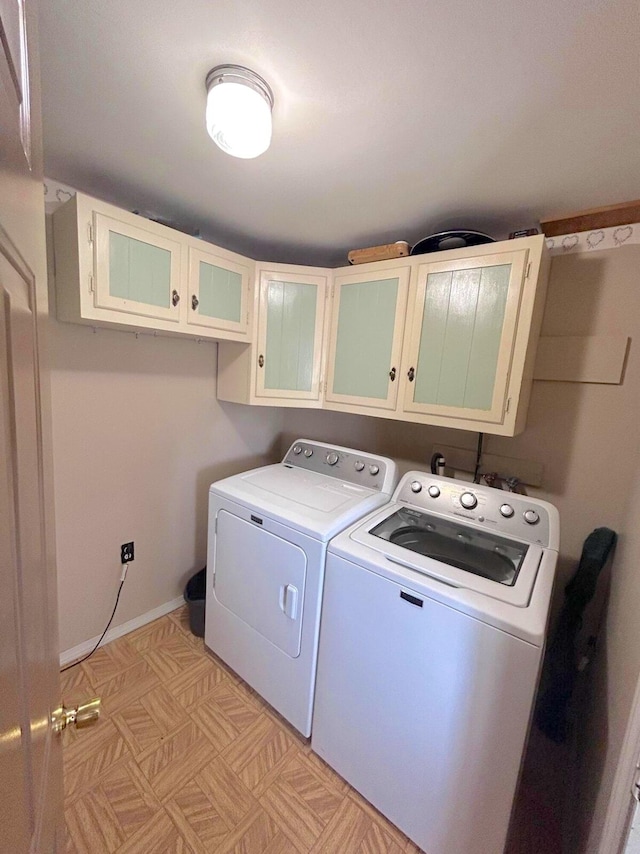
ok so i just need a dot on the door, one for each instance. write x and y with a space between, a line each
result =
290 327
366 339
459 352
218 292
30 760
136 270
260 578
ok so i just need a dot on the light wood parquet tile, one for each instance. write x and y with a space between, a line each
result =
150 719
110 660
171 657
254 833
149 636
232 799
157 836
259 753
128 686
131 797
195 682
93 824
197 818
177 760
84 765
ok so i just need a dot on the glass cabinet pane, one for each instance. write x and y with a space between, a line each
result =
219 292
290 335
139 271
460 337
364 338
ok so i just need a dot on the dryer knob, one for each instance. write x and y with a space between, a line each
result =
308 452
468 500
374 469
358 465
434 491
332 458
507 510
416 486
297 449
531 517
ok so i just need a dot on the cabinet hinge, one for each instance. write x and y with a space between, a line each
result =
90 232
91 283
508 406
526 275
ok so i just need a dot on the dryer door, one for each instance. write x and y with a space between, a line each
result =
260 578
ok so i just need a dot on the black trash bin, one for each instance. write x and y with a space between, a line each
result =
195 593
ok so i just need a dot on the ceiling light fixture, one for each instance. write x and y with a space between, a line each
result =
239 104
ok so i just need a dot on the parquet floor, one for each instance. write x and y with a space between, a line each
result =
187 758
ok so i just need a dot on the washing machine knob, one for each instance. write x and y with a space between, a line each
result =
374 469
434 491
308 452
531 517
416 486
332 458
358 465
468 500
297 449
507 511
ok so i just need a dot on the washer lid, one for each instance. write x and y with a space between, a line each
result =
313 503
459 554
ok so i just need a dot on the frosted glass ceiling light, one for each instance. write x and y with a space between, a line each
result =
239 104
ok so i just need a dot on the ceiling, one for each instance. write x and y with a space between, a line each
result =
392 120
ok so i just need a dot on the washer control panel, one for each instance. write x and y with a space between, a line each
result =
503 512
345 464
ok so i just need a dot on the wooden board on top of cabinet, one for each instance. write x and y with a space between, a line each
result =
115 268
284 365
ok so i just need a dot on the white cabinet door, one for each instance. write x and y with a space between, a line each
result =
461 337
365 339
136 270
218 291
288 356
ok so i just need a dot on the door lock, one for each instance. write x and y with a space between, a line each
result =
84 714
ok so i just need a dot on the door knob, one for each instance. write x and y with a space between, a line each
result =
392 374
175 297
411 374
84 714
195 302
261 360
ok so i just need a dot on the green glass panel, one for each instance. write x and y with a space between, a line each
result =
219 293
460 337
139 271
365 338
291 323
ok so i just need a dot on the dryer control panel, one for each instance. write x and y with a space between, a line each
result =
345 464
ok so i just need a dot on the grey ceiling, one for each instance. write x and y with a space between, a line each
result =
391 120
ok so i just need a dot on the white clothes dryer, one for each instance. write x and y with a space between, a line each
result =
433 626
268 535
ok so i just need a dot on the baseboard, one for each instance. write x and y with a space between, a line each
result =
81 649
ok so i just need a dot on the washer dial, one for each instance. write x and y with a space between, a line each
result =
468 500
332 458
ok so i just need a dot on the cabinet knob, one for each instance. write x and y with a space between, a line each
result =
261 360
392 374
175 297
411 374
195 302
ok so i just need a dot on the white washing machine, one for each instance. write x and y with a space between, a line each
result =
433 627
268 535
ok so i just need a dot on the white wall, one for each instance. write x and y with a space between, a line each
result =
138 436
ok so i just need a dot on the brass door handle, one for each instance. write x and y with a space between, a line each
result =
84 714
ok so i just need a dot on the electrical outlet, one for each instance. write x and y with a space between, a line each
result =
126 552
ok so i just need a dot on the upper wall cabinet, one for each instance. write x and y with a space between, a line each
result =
284 365
365 338
471 336
116 268
468 332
